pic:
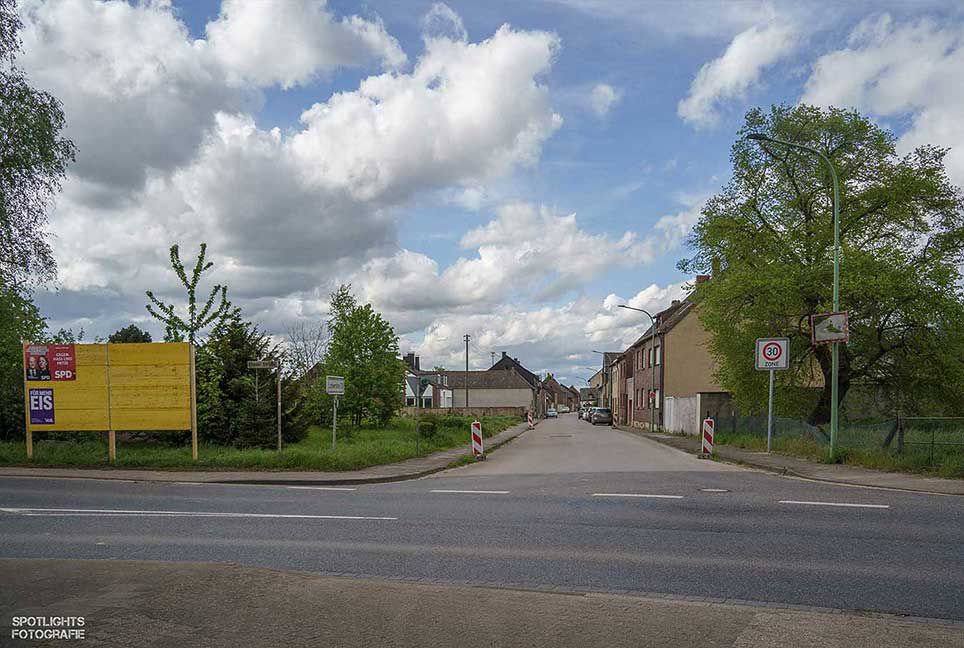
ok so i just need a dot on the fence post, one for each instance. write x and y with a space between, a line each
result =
900 435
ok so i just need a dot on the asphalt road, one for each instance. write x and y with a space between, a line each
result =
567 504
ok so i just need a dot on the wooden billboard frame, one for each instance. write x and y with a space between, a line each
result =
109 402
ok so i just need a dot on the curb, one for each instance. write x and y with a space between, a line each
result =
268 481
784 471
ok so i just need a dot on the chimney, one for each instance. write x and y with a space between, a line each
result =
702 279
675 302
411 361
417 368
504 354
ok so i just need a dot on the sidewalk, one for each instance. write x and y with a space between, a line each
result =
408 469
838 473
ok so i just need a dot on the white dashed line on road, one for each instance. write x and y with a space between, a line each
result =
643 495
714 490
64 512
843 504
322 488
472 492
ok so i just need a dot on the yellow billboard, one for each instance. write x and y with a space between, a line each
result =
77 387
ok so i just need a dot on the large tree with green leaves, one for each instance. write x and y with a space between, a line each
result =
19 321
215 308
767 238
364 349
33 162
128 334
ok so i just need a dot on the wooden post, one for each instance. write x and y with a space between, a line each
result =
26 408
111 435
193 409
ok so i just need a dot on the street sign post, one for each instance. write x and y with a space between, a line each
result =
707 444
478 446
334 386
772 354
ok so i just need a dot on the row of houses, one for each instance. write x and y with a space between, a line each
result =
505 385
665 381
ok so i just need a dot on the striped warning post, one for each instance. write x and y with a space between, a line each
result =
478 448
708 436
529 419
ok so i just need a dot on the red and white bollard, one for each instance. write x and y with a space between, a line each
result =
529 419
478 446
707 448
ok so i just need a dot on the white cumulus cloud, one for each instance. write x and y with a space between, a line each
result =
602 99
293 41
735 71
901 69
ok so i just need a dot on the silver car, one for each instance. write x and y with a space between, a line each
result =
601 415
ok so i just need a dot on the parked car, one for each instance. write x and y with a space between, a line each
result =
551 413
563 409
602 415
588 415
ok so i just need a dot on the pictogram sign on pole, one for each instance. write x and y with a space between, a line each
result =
478 446
708 426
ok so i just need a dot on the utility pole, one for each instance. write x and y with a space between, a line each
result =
467 338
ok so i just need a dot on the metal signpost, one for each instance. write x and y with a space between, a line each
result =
772 354
334 386
268 364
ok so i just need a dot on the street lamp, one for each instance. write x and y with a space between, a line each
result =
652 326
834 346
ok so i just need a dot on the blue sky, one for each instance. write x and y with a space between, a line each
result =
446 201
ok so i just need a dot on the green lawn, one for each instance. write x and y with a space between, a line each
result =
947 462
356 449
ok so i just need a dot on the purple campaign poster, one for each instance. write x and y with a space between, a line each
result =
41 406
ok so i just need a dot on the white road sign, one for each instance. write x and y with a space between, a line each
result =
261 364
773 354
334 385
829 327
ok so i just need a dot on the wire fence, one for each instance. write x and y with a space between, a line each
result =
921 440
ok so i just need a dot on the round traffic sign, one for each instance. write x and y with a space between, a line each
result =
772 351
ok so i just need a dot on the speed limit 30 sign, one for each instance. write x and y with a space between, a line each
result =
773 354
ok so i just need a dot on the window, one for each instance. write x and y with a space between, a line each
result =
427 401
409 401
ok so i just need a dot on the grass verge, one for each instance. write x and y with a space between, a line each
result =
355 449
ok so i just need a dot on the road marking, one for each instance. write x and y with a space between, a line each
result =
472 492
845 504
324 488
637 495
714 490
138 513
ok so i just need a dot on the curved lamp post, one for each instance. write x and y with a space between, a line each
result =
652 327
834 346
